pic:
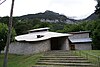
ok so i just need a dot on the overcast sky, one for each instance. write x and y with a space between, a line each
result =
71 8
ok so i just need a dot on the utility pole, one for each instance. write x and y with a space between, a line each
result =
9 35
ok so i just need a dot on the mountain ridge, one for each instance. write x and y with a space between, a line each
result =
53 17
93 16
48 15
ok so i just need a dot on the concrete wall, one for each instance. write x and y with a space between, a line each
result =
65 43
29 48
81 46
82 35
85 46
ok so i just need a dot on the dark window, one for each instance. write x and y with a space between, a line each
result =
39 36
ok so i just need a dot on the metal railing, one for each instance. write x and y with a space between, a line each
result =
91 57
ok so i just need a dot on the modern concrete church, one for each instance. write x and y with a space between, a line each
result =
41 40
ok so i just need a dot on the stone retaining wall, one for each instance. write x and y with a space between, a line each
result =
29 47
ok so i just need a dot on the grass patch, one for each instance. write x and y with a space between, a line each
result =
94 52
92 55
20 60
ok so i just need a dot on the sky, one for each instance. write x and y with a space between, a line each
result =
77 9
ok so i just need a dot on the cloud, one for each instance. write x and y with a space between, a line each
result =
79 8
68 7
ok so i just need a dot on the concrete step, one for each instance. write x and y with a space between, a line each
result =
57 66
58 52
63 58
45 66
65 64
65 61
58 55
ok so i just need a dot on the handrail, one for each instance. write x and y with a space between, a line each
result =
89 54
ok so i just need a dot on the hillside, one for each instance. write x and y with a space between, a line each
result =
93 16
53 17
48 16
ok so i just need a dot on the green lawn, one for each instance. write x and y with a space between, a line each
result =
30 60
92 55
20 60
94 52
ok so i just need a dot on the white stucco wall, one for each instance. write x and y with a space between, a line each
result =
29 48
85 46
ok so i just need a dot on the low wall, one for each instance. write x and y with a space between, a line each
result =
85 46
29 47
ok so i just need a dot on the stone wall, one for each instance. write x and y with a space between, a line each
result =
29 47
85 46
65 43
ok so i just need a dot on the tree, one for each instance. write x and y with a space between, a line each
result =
3 35
22 28
72 28
42 25
4 20
97 11
96 38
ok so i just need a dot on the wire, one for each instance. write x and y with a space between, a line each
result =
2 2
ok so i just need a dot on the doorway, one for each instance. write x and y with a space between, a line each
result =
58 43
72 47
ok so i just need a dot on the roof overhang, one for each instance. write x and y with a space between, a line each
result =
81 40
31 37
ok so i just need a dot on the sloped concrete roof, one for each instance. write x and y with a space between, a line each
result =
39 29
81 40
79 32
45 34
